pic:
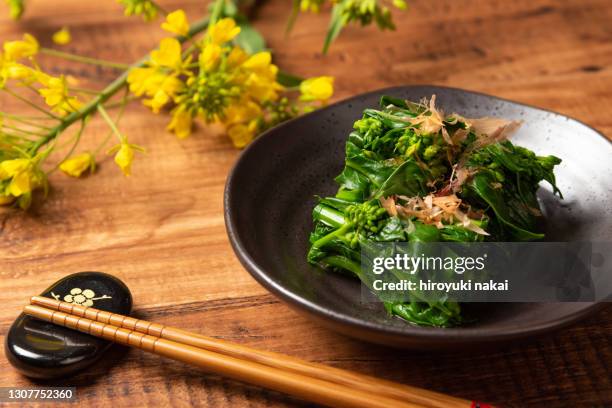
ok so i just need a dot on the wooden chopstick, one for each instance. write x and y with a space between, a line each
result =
366 384
343 377
308 388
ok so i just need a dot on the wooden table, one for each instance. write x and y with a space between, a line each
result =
162 231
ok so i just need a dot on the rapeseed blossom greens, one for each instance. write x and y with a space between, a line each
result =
415 174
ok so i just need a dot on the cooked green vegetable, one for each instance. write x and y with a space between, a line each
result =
414 174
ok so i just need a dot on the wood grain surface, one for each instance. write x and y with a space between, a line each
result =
161 231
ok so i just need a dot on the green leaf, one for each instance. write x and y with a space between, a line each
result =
288 80
408 179
386 100
392 231
481 184
295 11
445 314
423 232
335 26
249 39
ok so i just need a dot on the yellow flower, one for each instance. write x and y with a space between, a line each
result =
223 31
23 174
15 70
163 93
76 165
209 56
261 88
21 72
317 89
259 63
168 54
177 23
242 112
28 47
236 57
260 81
9 168
242 135
124 155
55 92
181 123
144 80
62 37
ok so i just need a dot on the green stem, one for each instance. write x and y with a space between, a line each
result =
124 101
17 140
80 58
295 11
321 242
23 138
344 263
77 138
105 94
31 104
216 11
17 129
110 122
20 119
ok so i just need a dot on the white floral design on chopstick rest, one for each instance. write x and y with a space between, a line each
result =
81 297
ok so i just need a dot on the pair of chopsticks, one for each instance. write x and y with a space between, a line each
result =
309 381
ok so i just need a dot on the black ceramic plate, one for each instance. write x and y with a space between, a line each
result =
270 194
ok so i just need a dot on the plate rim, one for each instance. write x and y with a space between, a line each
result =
410 331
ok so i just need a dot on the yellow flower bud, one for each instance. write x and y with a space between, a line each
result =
400 4
209 56
177 23
76 165
317 89
62 37
16 8
311 5
28 47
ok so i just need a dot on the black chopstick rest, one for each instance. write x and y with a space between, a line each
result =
43 350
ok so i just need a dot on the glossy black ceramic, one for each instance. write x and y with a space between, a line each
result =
270 194
40 349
